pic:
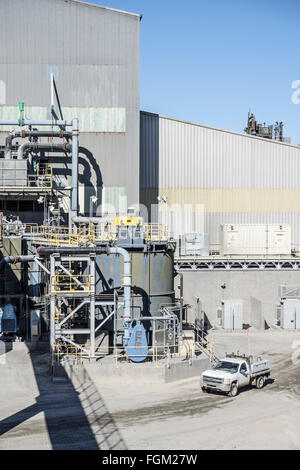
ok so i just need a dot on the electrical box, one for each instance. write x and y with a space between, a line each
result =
232 314
290 314
194 244
289 291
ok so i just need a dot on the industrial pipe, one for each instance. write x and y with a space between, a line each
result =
37 146
127 289
27 122
87 220
15 134
75 134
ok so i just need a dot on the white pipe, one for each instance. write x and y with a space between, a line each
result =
75 133
127 289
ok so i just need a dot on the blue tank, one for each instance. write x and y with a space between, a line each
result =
9 320
137 348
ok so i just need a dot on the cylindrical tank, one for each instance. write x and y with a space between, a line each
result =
152 280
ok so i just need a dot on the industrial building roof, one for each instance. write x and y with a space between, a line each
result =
243 134
104 8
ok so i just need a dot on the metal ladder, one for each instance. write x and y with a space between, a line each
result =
205 345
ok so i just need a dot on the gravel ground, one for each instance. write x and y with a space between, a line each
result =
103 413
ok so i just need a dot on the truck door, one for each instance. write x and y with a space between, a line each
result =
243 375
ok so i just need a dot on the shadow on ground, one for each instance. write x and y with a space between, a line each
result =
74 411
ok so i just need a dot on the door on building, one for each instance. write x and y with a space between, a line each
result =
232 314
291 315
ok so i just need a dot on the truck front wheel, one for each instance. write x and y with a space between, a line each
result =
234 390
260 382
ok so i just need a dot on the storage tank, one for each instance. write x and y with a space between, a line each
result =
152 281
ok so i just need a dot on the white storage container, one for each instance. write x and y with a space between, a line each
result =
255 239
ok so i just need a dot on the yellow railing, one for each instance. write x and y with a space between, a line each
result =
156 232
104 232
74 283
82 351
56 236
37 181
89 234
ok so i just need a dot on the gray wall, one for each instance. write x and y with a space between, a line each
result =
94 54
233 177
258 289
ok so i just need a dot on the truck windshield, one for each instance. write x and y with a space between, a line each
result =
227 366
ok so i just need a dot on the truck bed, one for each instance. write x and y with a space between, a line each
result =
259 367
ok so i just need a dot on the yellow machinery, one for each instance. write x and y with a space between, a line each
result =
127 221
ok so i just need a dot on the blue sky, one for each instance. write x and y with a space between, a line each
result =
212 61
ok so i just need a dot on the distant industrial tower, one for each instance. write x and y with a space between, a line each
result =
266 131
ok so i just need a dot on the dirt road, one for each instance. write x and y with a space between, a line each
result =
104 414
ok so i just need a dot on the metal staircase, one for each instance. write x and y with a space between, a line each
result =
204 344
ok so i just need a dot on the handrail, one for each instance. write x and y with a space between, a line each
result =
90 234
69 283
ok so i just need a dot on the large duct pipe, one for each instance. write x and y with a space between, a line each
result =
15 134
37 146
75 134
12 260
86 250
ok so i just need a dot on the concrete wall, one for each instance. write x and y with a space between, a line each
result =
258 289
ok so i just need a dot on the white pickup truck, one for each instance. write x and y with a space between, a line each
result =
234 372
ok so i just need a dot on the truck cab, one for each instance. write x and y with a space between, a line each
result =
234 372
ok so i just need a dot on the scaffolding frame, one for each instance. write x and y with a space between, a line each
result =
87 297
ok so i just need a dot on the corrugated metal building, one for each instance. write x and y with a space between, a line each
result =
214 177
93 52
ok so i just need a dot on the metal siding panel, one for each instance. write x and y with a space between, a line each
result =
96 52
225 170
227 160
